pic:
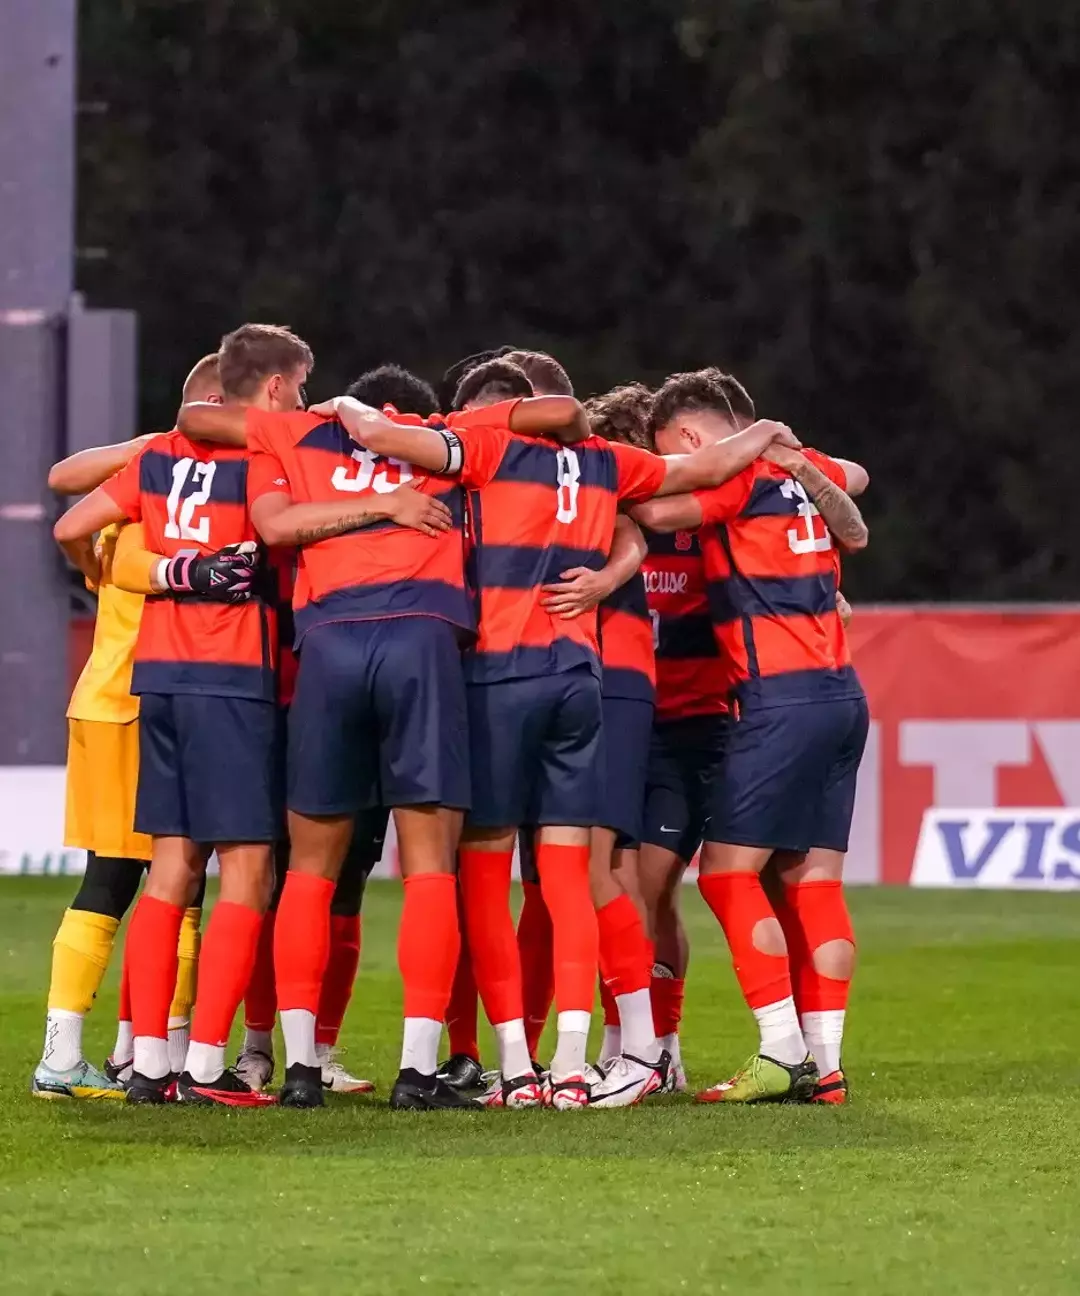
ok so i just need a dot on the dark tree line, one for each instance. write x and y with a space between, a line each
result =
869 211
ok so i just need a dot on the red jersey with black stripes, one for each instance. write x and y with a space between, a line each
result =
546 508
282 563
773 572
192 497
383 570
691 677
627 653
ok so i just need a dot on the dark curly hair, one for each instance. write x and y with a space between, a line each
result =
390 384
494 380
623 414
707 389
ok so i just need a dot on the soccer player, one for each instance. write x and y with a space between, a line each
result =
534 696
103 756
787 784
208 730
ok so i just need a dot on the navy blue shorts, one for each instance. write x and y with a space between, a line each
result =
789 778
378 718
536 750
628 724
209 768
685 761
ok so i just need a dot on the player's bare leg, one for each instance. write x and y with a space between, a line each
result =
659 876
730 884
428 946
486 856
821 942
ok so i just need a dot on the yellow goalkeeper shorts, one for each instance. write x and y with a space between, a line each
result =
102 779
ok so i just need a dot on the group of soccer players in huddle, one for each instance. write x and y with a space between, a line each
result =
610 632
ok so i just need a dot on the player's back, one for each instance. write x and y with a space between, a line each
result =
627 642
548 508
773 574
191 497
384 570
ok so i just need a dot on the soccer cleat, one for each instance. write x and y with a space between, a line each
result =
143 1091
413 1092
571 1092
831 1089
228 1090
763 1079
303 1087
676 1078
336 1079
82 1081
255 1068
517 1094
628 1080
461 1072
118 1071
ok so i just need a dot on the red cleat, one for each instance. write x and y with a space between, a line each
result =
228 1090
831 1088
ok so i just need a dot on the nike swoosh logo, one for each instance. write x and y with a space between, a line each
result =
670 830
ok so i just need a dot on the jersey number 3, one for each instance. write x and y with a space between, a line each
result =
181 523
798 542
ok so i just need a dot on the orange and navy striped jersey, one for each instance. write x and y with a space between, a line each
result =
546 509
773 572
691 678
191 497
282 563
627 653
383 570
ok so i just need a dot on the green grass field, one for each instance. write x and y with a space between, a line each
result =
956 1169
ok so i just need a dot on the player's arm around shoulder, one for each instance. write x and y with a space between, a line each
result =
87 469
118 499
823 485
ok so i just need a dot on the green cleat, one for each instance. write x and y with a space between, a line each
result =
82 1081
763 1079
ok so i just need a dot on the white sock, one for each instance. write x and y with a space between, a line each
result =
179 1038
514 1057
63 1039
259 1041
638 1033
572 1041
125 1042
420 1045
151 1056
781 1037
672 1045
298 1027
824 1033
612 1045
205 1062
322 1052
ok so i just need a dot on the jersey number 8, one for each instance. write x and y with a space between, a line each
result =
569 480
181 523
366 475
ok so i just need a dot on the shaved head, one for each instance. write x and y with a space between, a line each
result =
204 381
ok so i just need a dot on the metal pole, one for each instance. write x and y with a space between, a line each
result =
37 138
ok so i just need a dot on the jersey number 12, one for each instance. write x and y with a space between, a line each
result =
181 523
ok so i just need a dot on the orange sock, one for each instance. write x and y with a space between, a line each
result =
302 940
260 997
428 944
608 1004
537 968
814 914
151 955
625 950
461 1015
564 879
739 904
123 1011
485 890
666 994
339 978
225 963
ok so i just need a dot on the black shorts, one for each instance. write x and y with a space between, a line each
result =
628 725
685 760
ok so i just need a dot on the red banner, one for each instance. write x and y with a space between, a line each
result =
972 709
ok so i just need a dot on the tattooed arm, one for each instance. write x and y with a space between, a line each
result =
836 506
281 522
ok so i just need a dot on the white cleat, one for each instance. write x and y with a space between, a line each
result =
676 1079
571 1092
255 1068
335 1077
629 1081
516 1094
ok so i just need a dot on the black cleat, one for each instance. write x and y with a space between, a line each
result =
120 1072
142 1091
415 1092
228 1090
303 1087
461 1072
